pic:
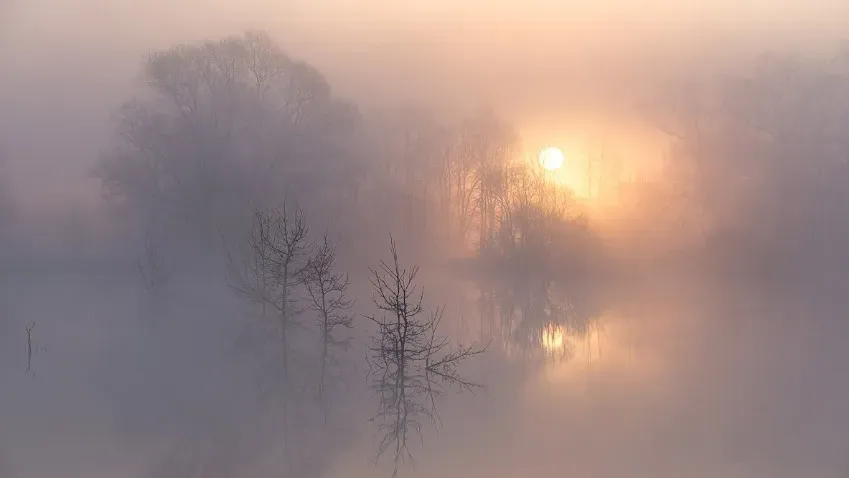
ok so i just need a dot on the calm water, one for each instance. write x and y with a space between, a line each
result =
665 379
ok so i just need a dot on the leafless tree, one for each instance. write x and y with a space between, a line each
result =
271 266
326 290
410 364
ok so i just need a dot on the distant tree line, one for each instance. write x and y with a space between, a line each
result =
230 123
757 167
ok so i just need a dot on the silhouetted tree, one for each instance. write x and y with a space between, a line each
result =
486 145
271 266
327 293
410 363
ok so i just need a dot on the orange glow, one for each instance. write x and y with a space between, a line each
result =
551 158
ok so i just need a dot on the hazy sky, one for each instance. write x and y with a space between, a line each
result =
553 67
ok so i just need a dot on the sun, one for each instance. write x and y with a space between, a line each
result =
551 158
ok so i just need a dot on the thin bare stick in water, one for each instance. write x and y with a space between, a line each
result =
30 349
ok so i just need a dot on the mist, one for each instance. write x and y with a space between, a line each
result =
318 239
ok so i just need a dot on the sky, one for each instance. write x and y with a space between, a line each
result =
562 71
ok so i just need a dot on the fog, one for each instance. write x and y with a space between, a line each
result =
200 201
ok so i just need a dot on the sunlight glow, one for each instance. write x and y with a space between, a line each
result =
553 339
605 347
557 341
551 158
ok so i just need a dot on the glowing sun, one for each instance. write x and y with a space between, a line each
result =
551 158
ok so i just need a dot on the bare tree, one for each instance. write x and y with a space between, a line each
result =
410 363
327 291
272 265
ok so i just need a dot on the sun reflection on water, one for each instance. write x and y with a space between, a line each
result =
557 341
601 350
553 339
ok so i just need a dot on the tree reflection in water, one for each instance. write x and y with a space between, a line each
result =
542 320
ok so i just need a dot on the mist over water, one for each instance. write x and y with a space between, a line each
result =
668 302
